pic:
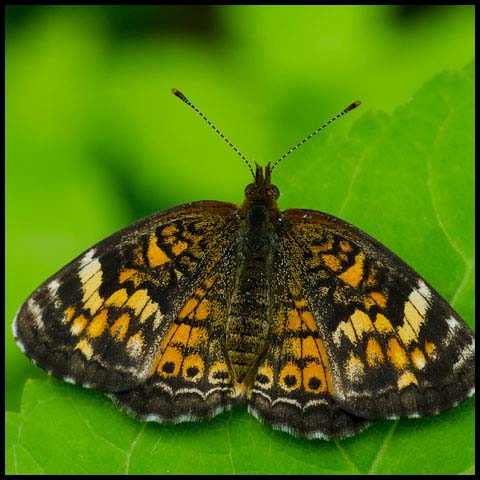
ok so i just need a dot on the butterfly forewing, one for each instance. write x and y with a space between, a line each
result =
101 320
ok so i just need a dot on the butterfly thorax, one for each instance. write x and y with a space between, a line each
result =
247 325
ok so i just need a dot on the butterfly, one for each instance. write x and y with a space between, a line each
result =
317 327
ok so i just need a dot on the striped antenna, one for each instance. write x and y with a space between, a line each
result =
343 112
184 99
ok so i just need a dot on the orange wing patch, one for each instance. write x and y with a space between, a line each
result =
361 323
170 230
118 298
332 262
170 362
294 321
69 313
219 373
383 325
120 327
179 247
156 256
290 377
138 300
78 325
203 310
418 359
354 368
379 299
85 347
317 250
193 367
345 246
407 378
430 349
314 379
149 309
374 353
97 324
188 308
130 274
397 354
179 354
354 328
309 367
354 274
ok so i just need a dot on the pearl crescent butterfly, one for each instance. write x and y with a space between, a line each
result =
317 327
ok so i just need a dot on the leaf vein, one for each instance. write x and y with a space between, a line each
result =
438 217
32 457
132 448
382 449
95 434
347 458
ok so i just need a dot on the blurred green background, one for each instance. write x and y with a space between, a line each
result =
95 139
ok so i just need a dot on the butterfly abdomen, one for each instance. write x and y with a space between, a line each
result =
247 324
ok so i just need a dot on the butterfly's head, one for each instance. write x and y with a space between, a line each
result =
261 191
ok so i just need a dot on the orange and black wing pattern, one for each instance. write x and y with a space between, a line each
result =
355 335
293 389
394 345
135 309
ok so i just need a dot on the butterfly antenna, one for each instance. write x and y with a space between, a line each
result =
308 137
184 99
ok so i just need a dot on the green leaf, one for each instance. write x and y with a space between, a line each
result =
407 180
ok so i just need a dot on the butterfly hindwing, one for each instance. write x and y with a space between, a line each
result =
397 348
101 320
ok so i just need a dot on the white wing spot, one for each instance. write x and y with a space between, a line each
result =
21 346
53 287
424 290
15 333
158 319
36 313
287 400
467 353
134 345
87 258
90 270
312 403
452 323
14 325
453 326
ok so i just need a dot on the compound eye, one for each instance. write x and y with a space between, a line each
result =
275 191
249 189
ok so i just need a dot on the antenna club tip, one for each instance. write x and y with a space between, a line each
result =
180 95
352 106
